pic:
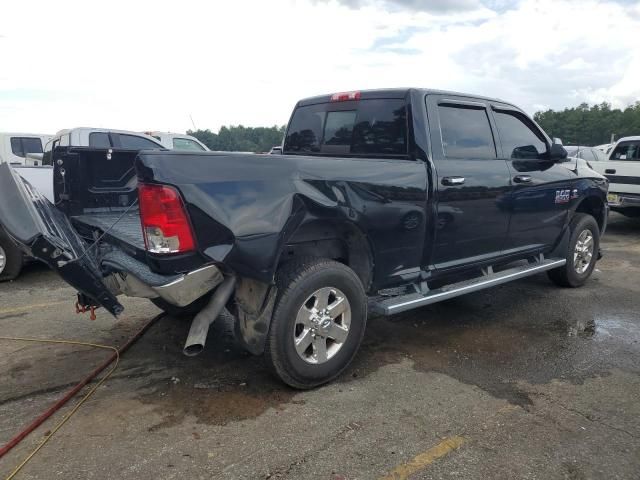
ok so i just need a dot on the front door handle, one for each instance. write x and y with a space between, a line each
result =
522 179
610 170
451 181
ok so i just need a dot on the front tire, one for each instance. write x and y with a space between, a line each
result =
318 322
11 259
581 255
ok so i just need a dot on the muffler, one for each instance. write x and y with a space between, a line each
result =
205 317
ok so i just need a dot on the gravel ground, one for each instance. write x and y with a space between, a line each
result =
525 380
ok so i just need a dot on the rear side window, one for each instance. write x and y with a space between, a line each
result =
376 127
626 151
133 142
518 139
99 140
186 144
466 132
20 146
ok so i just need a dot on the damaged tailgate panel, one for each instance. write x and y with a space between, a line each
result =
43 232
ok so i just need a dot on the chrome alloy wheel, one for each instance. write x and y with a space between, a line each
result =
322 325
583 253
3 259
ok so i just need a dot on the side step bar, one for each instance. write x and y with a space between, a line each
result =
401 303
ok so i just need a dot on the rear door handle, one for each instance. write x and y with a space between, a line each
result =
522 179
451 181
610 170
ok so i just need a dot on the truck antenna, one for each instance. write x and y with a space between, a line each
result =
192 122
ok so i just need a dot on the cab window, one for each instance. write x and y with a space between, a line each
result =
628 151
373 127
133 142
465 132
99 140
186 144
519 140
20 146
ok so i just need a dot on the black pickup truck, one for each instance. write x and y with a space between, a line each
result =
381 201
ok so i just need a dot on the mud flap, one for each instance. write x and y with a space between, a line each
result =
45 233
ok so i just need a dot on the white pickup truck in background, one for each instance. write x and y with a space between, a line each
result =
622 168
30 155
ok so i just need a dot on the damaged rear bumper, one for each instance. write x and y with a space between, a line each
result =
135 279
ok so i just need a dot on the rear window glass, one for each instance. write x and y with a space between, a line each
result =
186 144
20 146
626 151
376 127
133 142
99 140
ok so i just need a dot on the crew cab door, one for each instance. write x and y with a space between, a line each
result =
472 183
45 233
541 188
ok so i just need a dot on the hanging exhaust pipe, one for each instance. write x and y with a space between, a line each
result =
203 320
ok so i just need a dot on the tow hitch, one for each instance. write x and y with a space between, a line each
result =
84 305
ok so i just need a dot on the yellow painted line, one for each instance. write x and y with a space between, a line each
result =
31 307
423 460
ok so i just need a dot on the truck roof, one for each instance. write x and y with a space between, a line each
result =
98 129
394 93
628 139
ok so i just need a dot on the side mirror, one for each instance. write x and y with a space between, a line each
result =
557 153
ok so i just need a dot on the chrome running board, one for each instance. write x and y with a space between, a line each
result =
401 303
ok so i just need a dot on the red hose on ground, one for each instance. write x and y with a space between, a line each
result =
71 393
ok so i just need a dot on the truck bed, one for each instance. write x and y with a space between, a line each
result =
125 228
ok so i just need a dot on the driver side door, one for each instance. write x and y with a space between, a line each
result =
540 188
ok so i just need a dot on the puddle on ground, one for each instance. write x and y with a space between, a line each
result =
214 407
621 327
497 339
223 384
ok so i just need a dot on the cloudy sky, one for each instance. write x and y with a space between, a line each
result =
151 65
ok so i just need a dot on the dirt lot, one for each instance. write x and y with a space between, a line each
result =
521 381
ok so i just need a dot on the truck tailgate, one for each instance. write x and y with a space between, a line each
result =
45 233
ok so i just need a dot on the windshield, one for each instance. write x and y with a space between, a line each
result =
376 127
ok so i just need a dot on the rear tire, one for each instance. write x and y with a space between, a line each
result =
11 259
181 312
318 322
581 255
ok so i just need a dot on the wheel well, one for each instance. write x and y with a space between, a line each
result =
341 242
593 206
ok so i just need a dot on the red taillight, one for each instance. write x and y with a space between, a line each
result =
345 96
165 225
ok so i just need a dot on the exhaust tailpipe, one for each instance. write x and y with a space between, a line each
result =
205 317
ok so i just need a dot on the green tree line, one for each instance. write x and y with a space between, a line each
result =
590 125
241 139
